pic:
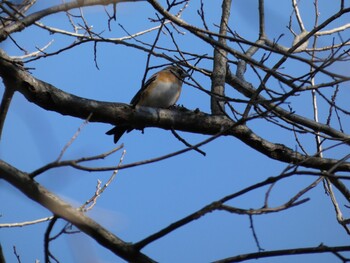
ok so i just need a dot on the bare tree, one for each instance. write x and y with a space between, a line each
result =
293 89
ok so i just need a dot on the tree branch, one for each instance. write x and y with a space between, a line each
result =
220 64
47 199
248 90
50 98
31 19
284 252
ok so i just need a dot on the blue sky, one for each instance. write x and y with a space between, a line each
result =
145 199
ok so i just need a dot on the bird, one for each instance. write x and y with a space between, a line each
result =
161 90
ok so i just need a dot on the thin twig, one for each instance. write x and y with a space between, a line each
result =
26 223
69 143
252 227
298 16
89 204
177 136
73 162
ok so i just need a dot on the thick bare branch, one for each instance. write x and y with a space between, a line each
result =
220 64
48 97
47 199
269 75
4 106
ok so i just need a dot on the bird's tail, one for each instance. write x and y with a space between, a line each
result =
118 132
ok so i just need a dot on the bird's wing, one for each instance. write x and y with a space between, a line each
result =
138 95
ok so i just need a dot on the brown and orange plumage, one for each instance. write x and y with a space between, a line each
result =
161 90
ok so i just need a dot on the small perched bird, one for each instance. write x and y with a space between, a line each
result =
162 90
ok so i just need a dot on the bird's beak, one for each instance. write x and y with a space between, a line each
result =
186 74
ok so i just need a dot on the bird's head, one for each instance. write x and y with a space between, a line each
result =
177 71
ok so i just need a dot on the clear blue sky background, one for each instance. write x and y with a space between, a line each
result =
145 199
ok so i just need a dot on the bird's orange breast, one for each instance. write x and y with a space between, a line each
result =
167 77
